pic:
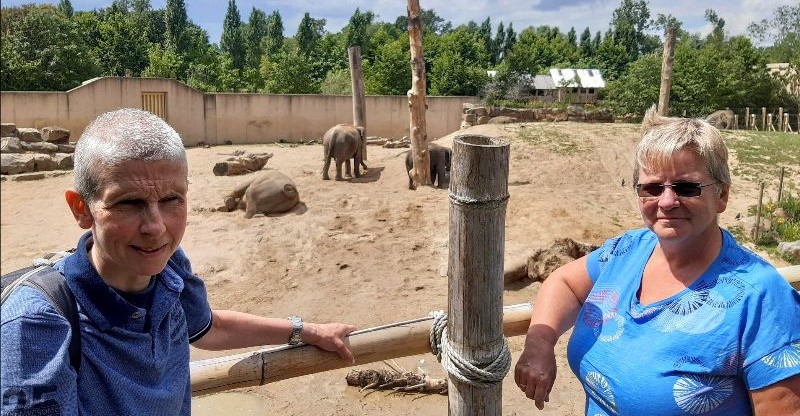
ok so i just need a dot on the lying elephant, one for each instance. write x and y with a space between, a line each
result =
343 142
271 192
440 166
722 119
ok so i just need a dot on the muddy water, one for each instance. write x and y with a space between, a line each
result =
229 404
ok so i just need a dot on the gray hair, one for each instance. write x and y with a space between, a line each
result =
662 137
119 136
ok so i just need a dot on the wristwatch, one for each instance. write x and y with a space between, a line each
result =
297 327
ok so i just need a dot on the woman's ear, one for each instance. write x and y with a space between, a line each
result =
79 208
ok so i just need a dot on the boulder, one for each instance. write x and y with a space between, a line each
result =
502 120
40 147
722 119
64 161
790 249
42 162
8 130
14 163
54 134
29 135
10 145
66 148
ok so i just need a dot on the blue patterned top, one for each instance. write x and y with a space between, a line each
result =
134 360
736 328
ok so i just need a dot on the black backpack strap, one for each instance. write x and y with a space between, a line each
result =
54 285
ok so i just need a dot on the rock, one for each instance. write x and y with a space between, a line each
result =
42 162
66 148
33 176
8 130
790 249
40 147
10 145
54 134
29 135
501 120
14 163
64 160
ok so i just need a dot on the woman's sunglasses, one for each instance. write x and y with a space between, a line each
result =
683 189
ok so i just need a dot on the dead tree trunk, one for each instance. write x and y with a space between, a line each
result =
666 72
357 82
416 99
478 198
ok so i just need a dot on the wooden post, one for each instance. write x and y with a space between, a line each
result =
357 82
780 119
753 122
764 118
416 99
478 199
736 122
769 126
747 118
758 214
780 183
666 72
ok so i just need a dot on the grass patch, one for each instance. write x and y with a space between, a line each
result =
553 140
760 154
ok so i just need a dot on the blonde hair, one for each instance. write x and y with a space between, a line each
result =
118 136
663 137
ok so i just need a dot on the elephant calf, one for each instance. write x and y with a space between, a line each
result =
440 166
343 142
271 192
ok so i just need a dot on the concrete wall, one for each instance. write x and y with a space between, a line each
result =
218 117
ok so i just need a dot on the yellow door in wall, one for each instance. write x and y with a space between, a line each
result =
156 103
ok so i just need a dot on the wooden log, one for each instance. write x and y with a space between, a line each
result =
747 118
368 346
418 130
359 106
666 72
478 199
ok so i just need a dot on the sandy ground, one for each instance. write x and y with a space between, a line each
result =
371 252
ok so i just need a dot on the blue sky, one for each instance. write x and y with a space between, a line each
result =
595 14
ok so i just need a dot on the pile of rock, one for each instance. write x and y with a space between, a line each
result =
473 114
26 150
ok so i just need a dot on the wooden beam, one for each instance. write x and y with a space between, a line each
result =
371 345
666 72
359 106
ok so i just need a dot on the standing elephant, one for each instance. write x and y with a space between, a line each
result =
271 192
722 119
440 166
343 142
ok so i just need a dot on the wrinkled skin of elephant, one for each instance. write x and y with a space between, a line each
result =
440 166
271 192
722 119
341 143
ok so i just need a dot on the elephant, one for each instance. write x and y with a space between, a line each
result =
343 142
440 166
271 192
722 119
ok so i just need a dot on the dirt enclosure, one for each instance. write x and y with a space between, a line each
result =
370 251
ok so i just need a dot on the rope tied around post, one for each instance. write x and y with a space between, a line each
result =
467 372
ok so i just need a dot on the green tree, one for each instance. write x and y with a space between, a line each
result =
254 33
232 41
309 32
458 66
289 72
123 48
164 62
274 35
175 22
430 21
390 73
355 32
65 7
45 39
485 33
781 33
337 82
497 44
629 22
585 43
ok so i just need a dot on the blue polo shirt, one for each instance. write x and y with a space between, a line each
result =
134 360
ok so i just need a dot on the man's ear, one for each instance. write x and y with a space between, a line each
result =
79 208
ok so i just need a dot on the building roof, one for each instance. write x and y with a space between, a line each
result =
543 82
585 78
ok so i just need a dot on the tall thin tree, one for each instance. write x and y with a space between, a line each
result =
231 42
